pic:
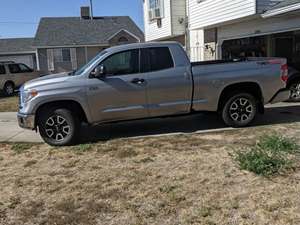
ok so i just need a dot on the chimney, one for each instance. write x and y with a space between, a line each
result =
85 12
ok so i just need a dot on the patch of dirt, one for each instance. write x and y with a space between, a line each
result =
180 179
9 104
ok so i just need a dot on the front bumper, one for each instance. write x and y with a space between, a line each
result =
281 96
26 121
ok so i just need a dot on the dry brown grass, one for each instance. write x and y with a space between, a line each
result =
9 104
182 179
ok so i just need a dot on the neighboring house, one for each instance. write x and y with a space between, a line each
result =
19 50
67 43
165 20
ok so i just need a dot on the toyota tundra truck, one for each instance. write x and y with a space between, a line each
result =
147 80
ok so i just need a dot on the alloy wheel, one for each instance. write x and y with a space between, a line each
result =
295 91
57 128
241 110
9 89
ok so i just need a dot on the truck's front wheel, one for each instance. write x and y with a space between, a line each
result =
58 127
239 110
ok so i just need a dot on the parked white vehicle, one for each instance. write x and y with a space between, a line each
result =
14 75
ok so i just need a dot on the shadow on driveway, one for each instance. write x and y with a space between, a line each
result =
184 124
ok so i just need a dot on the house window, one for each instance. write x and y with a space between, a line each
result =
62 55
153 4
58 55
156 9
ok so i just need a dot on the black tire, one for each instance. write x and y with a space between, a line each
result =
295 91
239 110
9 88
58 127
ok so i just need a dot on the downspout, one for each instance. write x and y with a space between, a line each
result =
37 60
86 56
187 29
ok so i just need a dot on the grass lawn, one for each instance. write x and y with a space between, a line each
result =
9 104
180 179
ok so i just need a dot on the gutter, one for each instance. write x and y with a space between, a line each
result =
286 9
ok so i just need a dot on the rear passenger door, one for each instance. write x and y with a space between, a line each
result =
169 87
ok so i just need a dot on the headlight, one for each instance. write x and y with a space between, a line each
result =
27 95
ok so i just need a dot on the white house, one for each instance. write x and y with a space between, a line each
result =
232 28
211 22
165 20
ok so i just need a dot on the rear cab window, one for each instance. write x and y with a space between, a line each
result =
155 59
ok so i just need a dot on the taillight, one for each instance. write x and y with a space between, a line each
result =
284 73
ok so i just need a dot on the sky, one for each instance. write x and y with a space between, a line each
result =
20 18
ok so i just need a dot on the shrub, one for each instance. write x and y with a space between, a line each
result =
269 156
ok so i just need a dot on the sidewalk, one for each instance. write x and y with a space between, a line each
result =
11 132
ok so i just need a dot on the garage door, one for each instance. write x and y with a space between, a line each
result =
26 59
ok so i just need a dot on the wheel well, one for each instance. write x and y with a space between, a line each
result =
293 79
245 87
71 105
9 81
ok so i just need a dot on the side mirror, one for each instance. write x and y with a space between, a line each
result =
99 71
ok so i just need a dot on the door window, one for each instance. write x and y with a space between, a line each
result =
2 69
18 68
14 68
122 63
155 59
24 68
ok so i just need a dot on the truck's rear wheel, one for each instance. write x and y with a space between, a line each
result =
295 91
58 127
239 110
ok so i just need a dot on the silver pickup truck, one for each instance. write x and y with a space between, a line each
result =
148 80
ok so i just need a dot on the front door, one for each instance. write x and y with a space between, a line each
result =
169 86
121 94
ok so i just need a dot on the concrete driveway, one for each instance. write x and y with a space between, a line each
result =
198 123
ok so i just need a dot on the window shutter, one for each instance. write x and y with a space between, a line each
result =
50 59
73 58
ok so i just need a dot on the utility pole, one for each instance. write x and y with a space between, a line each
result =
92 13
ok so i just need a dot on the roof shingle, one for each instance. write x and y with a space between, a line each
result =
16 45
68 31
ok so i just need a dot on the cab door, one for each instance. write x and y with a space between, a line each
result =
169 83
121 93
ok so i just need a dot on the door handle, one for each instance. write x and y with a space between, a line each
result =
138 81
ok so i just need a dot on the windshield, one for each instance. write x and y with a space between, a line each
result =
83 68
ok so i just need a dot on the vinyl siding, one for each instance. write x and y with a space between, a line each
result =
197 45
263 26
213 12
152 31
178 13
